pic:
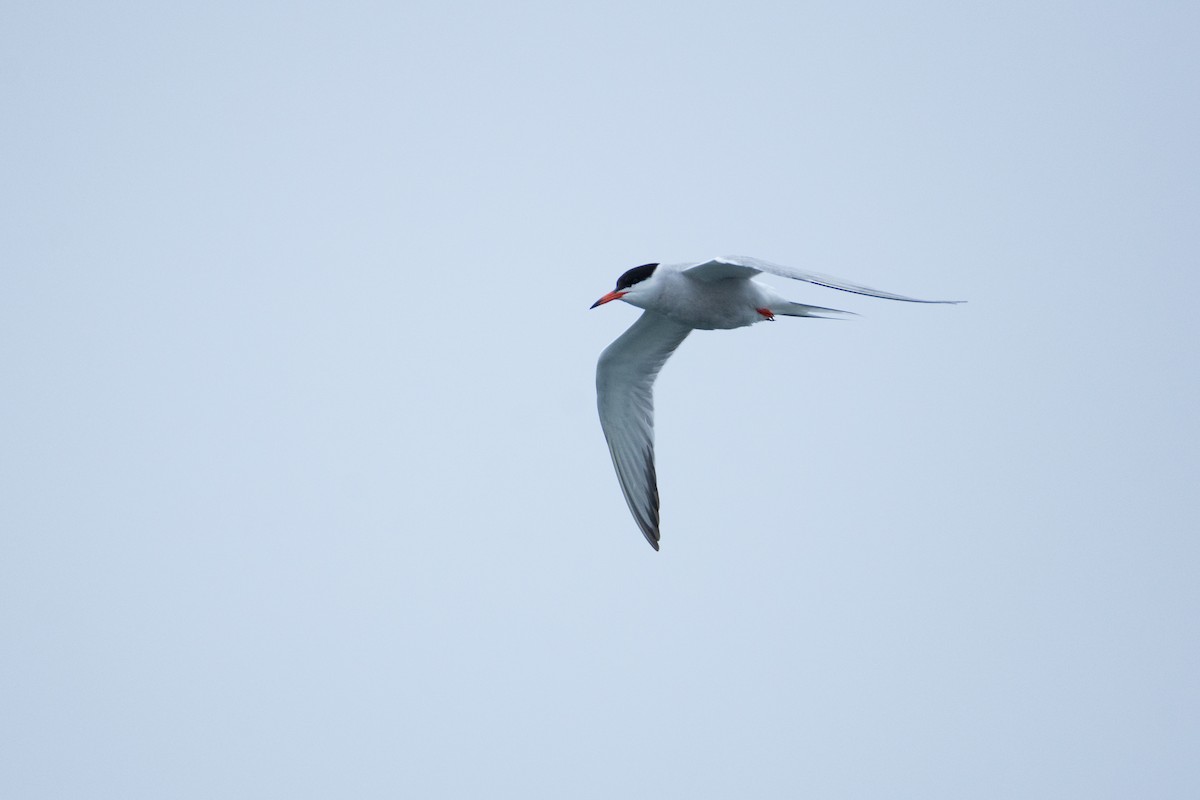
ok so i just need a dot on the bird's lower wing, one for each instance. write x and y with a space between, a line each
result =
745 267
625 398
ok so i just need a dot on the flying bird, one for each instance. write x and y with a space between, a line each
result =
677 299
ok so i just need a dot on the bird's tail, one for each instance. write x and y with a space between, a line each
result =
800 310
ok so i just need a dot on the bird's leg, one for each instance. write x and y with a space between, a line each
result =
766 312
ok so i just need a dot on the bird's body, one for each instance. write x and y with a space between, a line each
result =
678 298
704 305
713 298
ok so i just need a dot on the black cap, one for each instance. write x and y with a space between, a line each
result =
635 275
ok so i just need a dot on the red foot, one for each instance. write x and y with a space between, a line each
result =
766 312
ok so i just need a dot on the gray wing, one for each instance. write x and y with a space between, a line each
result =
625 398
745 267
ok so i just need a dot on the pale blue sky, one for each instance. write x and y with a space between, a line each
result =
304 493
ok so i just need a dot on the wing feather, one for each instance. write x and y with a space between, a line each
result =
746 267
625 398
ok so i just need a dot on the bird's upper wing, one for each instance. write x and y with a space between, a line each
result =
624 395
745 267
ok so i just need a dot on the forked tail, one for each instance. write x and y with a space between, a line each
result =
790 309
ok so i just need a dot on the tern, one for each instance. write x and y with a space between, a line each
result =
677 299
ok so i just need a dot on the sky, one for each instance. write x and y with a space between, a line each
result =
302 489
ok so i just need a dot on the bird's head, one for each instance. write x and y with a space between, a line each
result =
630 286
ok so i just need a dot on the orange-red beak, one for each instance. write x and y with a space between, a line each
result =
608 298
